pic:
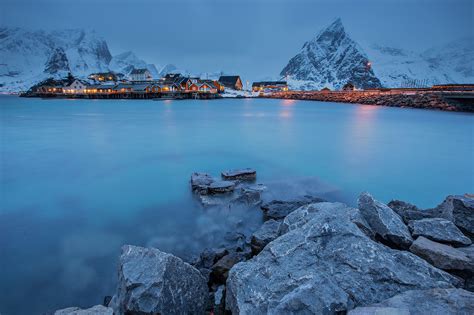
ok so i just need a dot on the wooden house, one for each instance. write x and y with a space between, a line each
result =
231 82
106 76
74 87
273 86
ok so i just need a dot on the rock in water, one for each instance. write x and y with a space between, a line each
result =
407 211
439 230
441 256
422 302
221 187
279 209
240 174
200 182
153 282
324 266
384 222
459 209
264 235
95 310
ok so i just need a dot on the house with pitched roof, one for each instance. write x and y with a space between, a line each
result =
231 82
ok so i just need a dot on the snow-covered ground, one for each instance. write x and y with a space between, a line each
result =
230 93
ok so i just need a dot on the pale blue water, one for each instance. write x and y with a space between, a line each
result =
79 178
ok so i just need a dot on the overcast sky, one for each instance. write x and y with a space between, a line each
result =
253 38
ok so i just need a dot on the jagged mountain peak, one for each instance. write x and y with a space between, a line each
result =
331 59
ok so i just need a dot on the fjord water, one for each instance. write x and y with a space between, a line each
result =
79 178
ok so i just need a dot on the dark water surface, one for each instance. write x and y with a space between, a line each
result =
79 178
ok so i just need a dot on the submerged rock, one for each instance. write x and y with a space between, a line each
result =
240 174
264 235
200 182
279 209
324 265
407 211
154 282
221 187
442 256
386 223
422 302
95 310
439 230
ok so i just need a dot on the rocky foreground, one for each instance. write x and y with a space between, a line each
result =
308 257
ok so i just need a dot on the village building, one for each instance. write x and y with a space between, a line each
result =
106 77
74 87
231 82
267 86
140 75
100 89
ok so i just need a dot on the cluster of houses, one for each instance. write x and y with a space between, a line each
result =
141 84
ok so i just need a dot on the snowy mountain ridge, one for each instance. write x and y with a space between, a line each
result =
332 59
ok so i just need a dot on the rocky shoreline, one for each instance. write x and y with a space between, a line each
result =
446 101
309 256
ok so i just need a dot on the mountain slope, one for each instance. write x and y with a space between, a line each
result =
331 59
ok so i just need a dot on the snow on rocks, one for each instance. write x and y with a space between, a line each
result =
439 230
154 282
384 222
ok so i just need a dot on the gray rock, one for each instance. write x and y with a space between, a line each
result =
220 270
407 211
459 209
154 282
422 302
326 264
386 223
248 196
95 310
378 310
439 230
440 255
240 174
200 182
264 235
279 209
219 301
221 187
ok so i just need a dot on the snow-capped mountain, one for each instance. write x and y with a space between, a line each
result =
331 59
28 57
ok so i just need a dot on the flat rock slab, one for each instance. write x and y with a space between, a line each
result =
154 282
439 230
326 265
386 223
422 302
240 174
200 182
95 310
221 187
440 255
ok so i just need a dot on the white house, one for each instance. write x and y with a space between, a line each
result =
140 75
75 87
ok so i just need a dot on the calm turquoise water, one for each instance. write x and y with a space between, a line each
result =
79 178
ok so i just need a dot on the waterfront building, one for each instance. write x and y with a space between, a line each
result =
270 86
106 77
231 81
74 87
141 75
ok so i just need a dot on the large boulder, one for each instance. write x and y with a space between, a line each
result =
439 230
279 209
264 235
154 282
326 265
459 209
408 211
95 310
442 256
422 302
240 174
386 223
